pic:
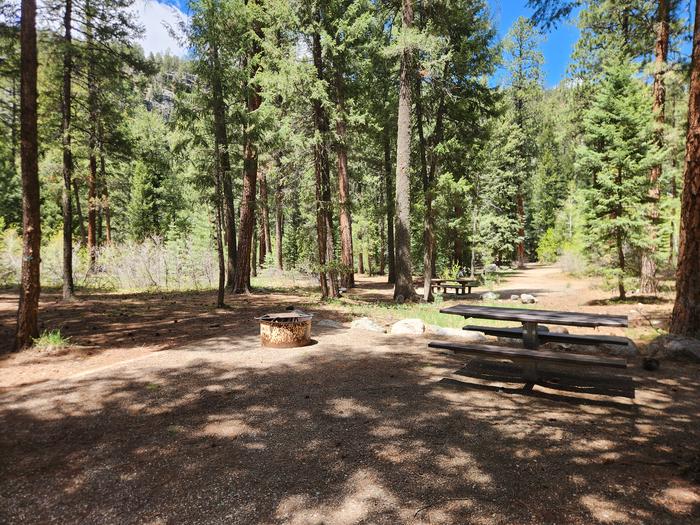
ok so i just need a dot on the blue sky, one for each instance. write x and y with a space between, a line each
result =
556 48
558 44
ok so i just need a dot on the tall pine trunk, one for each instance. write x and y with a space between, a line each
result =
224 162
382 231
427 197
389 188
265 240
79 212
104 200
30 286
279 217
254 254
649 282
403 289
218 220
347 277
92 140
685 319
241 282
360 255
68 285
324 224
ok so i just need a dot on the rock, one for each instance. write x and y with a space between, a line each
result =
408 327
329 323
650 364
675 347
365 323
514 297
490 296
464 335
491 268
526 298
630 350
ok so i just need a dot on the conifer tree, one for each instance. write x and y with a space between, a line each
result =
617 153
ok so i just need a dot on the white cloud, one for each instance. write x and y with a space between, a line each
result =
156 17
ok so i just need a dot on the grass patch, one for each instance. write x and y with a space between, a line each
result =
51 339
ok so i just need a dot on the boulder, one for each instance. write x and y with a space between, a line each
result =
514 297
329 323
365 323
675 347
408 327
526 298
491 268
464 335
490 296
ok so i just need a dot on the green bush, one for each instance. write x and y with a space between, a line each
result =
51 340
548 249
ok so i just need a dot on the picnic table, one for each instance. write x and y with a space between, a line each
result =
531 318
458 285
532 334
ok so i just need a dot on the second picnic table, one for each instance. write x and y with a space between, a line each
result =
531 334
458 284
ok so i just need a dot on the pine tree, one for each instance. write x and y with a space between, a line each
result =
524 62
30 286
617 153
403 289
686 310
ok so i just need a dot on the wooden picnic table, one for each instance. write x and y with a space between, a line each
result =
531 318
532 334
458 284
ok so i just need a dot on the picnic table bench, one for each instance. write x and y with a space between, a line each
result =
459 285
532 335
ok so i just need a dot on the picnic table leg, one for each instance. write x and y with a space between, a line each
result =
530 372
530 339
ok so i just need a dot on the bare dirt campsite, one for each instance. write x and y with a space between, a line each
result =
165 410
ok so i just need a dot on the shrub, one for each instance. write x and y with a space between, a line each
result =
51 340
548 248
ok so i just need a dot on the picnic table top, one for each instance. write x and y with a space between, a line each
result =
536 316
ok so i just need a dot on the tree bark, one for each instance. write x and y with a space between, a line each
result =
218 220
360 256
648 281
79 212
389 188
104 201
279 219
265 241
382 231
347 277
68 285
403 289
241 282
428 238
224 162
30 286
254 254
324 224
92 142
685 319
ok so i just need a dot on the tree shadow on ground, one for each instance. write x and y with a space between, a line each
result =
157 319
339 435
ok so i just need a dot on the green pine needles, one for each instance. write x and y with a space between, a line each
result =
616 156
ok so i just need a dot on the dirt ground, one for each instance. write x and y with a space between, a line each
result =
168 411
